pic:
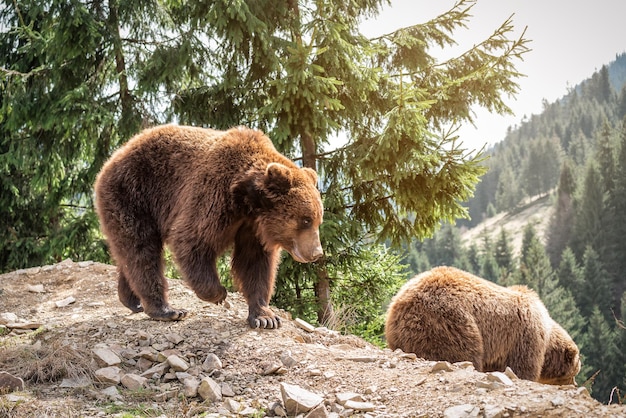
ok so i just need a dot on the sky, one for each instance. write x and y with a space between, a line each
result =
571 39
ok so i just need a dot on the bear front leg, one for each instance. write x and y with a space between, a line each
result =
200 273
254 272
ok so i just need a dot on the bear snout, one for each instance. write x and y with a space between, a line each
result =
306 255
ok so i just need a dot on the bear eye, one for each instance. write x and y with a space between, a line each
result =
306 222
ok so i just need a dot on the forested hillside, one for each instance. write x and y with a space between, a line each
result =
573 153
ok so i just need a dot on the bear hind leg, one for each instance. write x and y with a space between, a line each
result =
141 282
126 294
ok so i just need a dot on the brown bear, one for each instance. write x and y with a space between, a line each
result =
201 191
448 314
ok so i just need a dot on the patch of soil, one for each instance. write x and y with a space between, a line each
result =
51 347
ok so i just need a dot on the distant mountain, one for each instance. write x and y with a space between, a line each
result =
527 161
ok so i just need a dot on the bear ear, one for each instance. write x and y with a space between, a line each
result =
310 173
278 178
248 197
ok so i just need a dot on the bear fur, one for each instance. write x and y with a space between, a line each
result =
200 192
448 314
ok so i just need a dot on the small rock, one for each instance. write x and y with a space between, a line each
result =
359 406
344 397
510 373
441 366
112 393
272 368
318 412
65 302
190 387
297 399
8 317
287 360
83 264
210 390
227 390
558 401
461 411
156 370
174 338
304 325
109 375
500 378
212 362
106 357
177 363
24 325
36 288
78 382
232 405
133 382
493 411
362 359
10 383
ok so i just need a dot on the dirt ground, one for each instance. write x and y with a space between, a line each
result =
56 318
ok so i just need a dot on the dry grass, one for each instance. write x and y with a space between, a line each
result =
51 362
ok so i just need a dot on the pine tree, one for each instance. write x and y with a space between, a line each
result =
503 253
534 265
588 213
601 354
571 277
299 70
615 260
596 287
559 228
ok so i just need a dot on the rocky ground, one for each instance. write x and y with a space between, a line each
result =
79 353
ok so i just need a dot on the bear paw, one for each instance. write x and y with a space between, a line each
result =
216 294
168 314
264 319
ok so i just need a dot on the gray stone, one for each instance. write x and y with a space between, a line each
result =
318 412
441 366
109 375
133 381
10 383
359 406
500 378
461 411
190 387
111 392
210 390
298 400
106 357
212 362
344 397
177 363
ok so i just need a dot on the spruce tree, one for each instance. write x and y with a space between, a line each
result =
559 228
534 265
571 277
596 287
503 253
601 354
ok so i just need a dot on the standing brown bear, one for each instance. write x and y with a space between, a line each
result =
201 191
449 314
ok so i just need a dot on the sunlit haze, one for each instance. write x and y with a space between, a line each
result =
570 40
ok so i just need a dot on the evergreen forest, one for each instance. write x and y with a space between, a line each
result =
78 78
574 152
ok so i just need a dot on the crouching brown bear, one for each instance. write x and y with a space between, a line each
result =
449 314
200 192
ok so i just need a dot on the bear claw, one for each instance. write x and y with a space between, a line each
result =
264 322
169 315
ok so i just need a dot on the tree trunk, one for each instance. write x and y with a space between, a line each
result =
325 312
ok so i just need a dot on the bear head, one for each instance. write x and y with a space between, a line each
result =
285 206
561 361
